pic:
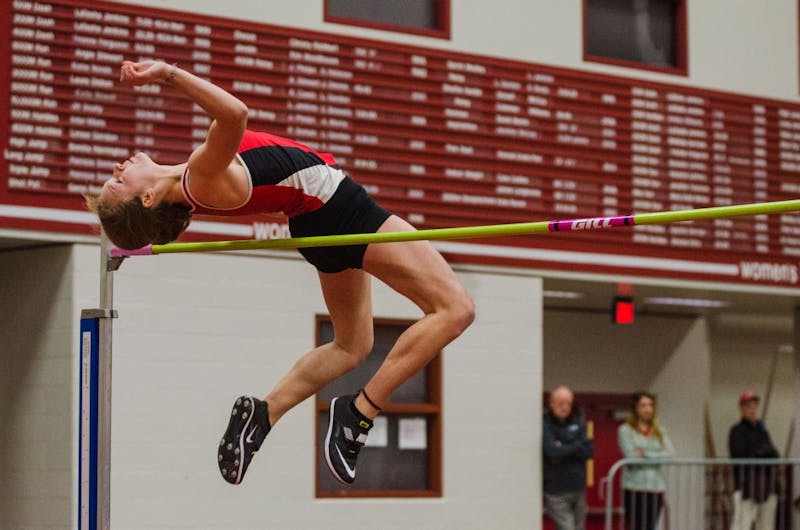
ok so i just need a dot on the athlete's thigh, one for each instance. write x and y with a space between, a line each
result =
348 298
412 268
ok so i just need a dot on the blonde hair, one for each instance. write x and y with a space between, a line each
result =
633 418
130 225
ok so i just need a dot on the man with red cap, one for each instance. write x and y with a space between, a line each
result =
754 496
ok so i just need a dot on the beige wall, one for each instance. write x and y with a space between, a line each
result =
38 380
623 358
667 355
684 383
683 387
743 350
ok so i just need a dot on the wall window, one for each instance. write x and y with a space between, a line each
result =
648 34
425 17
403 454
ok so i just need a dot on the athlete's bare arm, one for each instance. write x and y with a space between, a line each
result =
211 163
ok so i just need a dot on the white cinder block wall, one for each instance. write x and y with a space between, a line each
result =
37 387
196 331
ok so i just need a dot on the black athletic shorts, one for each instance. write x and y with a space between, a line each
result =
350 211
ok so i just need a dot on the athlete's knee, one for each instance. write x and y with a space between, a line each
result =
461 312
466 315
356 348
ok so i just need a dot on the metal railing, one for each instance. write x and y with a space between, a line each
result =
704 494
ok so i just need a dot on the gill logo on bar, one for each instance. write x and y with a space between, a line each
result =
590 223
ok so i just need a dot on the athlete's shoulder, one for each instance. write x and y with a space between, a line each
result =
254 139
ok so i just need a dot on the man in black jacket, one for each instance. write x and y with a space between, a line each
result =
754 497
566 450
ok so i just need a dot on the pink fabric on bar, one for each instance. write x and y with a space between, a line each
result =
117 252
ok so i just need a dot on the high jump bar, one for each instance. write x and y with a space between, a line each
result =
500 230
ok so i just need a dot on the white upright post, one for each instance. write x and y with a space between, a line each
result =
104 385
94 488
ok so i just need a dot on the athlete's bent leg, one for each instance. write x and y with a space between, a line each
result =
347 295
348 298
416 270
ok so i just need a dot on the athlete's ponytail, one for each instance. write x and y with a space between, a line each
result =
130 225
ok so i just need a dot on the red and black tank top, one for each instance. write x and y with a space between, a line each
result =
285 176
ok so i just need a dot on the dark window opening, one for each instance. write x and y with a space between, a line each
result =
426 17
638 33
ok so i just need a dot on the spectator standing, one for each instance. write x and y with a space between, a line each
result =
755 490
566 450
641 436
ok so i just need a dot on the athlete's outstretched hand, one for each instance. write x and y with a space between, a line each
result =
143 73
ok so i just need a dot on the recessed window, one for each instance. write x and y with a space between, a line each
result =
402 457
648 34
425 17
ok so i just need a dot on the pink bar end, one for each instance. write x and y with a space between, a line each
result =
117 252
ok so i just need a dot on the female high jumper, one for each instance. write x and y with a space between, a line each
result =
237 171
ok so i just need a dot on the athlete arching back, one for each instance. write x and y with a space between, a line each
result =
236 171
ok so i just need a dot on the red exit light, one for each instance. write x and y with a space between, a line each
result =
622 311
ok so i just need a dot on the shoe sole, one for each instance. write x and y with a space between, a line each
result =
328 445
233 438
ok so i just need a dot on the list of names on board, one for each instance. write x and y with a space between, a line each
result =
443 139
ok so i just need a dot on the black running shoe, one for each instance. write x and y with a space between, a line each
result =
247 428
347 434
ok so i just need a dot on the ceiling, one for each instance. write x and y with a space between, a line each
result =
673 297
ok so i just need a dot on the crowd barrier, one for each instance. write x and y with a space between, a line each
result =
706 494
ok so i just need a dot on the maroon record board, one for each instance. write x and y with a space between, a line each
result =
441 138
